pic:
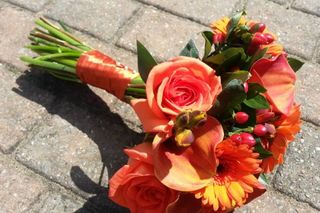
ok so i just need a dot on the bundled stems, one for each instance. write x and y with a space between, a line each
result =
59 51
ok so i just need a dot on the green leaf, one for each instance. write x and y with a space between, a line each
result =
145 61
233 23
257 56
255 89
232 95
257 102
190 50
263 153
227 58
208 37
295 64
229 76
263 179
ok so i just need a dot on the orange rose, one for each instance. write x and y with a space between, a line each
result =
180 84
134 186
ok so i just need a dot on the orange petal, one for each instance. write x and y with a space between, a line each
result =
150 121
192 168
278 78
141 152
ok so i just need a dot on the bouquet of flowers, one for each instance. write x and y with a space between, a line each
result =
214 125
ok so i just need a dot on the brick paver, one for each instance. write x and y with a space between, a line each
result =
297 31
19 188
13 34
102 19
54 142
18 115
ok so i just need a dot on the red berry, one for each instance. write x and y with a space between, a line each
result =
248 139
236 138
260 130
269 37
241 117
258 27
246 87
259 38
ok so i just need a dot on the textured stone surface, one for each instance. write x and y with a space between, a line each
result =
164 36
34 5
99 17
297 31
19 187
14 35
275 202
18 115
308 6
286 2
308 91
198 10
56 202
299 175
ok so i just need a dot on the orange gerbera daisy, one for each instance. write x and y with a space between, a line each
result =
286 129
220 26
234 178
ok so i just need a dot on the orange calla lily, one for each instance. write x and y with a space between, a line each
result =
278 78
190 168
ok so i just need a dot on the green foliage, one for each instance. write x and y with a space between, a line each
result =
229 76
295 64
231 96
208 37
257 102
263 153
190 50
145 61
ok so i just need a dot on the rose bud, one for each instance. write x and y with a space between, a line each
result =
260 130
184 138
248 139
218 38
241 117
270 128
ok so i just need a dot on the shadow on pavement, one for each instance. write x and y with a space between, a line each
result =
82 108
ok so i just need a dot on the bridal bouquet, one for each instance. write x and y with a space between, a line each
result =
214 124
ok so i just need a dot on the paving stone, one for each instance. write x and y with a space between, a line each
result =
14 35
204 11
31 5
163 34
308 6
18 115
99 17
297 31
307 92
82 136
56 202
19 188
275 202
299 175
287 2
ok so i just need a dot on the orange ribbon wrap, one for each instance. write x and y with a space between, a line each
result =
99 70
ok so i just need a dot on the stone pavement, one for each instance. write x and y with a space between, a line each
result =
60 142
